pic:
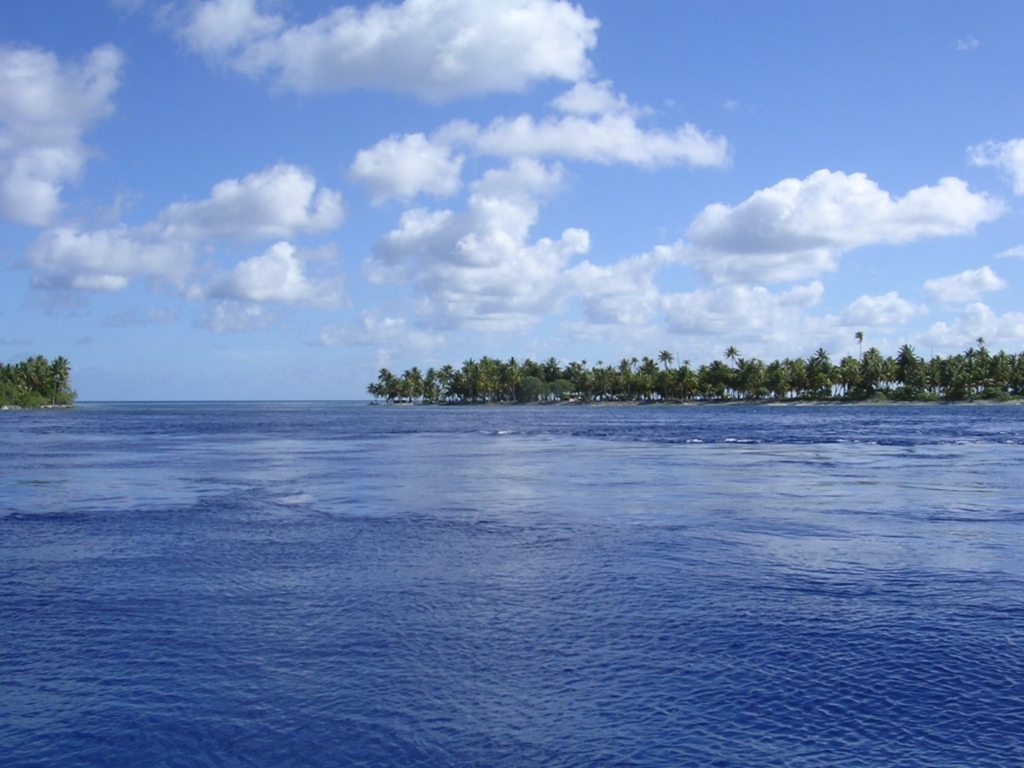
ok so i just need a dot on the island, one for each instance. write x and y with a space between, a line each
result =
976 374
36 383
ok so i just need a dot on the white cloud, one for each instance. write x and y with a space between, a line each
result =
237 317
798 229
877 311
278 275
106 259
476 268
740 311
966 44
374 330
223 28
279 202
966 286
977 319
1017 252
45 106
403 166
1008 156
434 49
596 126
623 293
590 98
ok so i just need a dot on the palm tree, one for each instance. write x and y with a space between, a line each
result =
750 379
446 377
687 382
848 375
910 371
732 354
859 336
874 371
552 371
714 379
626 376
820 373
61 372
796 372
777 379
432 386
511 377
665 358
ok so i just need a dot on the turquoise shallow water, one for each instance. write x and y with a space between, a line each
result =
329 584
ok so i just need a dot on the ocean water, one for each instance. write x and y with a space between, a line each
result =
332 584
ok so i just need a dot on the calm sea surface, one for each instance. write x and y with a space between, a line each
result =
341 584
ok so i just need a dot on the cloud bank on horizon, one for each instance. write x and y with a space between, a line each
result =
479 219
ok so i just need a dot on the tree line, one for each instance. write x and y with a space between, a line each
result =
36 382
976 373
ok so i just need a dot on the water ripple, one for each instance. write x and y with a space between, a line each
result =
325 585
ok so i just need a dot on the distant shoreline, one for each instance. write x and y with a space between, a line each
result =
884 402
46 407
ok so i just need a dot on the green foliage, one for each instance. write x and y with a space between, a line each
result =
532 390
36 382
872 376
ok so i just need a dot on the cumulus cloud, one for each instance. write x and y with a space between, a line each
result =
623 293
277 202
476 268
977 320
966 286
436 50
45 106
590 98
403 166
277 275
798 229
1008 156
595 125
740 311
877 311
106 259
281 201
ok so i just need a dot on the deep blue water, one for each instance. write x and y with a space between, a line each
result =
341 584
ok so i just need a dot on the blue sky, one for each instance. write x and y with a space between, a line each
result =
271 199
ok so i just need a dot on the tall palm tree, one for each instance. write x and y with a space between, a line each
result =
60 369
859 336
446 377
512 377
665 358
